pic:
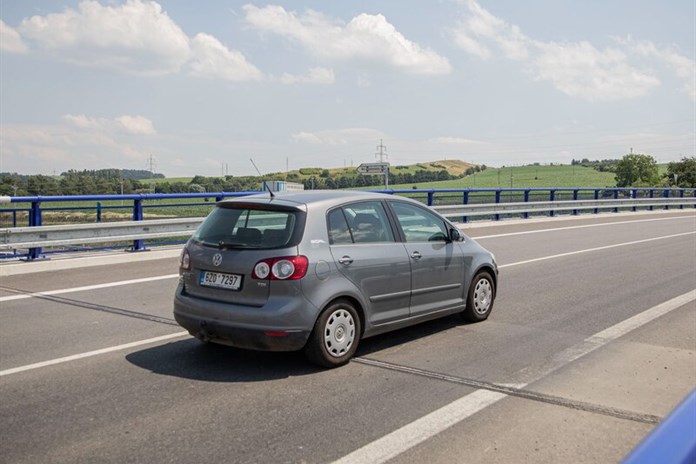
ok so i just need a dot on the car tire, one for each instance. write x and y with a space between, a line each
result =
335 336
479 301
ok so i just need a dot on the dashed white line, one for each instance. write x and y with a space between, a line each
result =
618 223
24 296
588 250
88 354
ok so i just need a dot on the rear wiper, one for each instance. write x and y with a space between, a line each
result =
229 245
222 244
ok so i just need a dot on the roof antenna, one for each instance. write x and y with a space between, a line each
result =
263 181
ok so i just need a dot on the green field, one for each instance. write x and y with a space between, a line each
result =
525 176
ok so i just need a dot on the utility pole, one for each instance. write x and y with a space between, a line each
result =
151 164
381 153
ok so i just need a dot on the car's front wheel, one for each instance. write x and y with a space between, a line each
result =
479 302
335 336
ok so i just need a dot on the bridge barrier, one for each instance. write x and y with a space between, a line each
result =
673 441
37 236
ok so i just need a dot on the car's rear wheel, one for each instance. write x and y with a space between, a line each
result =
335 336
481 297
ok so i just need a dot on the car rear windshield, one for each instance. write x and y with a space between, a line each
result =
249 228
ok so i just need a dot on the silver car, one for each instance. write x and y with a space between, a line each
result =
320 270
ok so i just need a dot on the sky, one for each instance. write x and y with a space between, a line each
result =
202 88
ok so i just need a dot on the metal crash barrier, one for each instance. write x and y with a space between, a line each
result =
459 205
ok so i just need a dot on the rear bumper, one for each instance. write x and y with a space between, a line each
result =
283 328
227 334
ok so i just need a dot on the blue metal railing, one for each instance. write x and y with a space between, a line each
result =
673 441
139 203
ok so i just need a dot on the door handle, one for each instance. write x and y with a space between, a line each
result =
345 260
416 255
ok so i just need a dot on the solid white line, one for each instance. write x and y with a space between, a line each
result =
526 232
588 250
410 435
88 354
416 432
86 288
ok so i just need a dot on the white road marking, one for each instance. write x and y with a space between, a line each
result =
86 288
588 250
418 431
88 354
526 232
410 435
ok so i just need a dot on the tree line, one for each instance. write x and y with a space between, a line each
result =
114 182
633 170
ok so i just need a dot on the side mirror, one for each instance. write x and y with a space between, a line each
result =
455 235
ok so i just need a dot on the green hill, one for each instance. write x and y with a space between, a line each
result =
504 177
526 176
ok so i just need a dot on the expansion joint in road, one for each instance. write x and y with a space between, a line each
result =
515 392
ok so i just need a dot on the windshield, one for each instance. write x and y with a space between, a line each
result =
247 228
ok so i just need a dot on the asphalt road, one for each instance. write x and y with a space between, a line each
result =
591 342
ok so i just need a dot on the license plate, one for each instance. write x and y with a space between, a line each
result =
219 280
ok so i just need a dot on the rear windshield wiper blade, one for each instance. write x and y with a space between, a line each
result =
234 245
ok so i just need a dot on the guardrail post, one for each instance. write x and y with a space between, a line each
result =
634 195
497 200
526 200
465 201
138 245
575 198
99 211
616 197
652 195
552 197
34 221
596 197
430 198
665 193
681 195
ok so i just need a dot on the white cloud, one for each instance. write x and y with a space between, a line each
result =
365 39
455 141
136 37
338 136
213 60
10 40
578 69
464 41
314 76
684 68
82 121
136 125
34 148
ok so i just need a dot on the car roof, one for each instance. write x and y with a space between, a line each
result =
309 198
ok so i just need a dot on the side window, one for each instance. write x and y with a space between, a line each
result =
419 224
338 228
364 222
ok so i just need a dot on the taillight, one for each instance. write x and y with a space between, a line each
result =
285 268
185 260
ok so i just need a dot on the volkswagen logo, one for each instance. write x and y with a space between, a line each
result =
217 259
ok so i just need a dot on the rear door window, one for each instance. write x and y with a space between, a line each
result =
247 228
364 222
